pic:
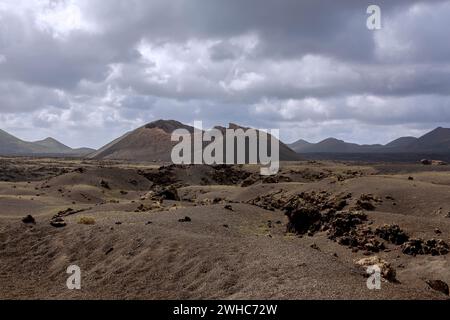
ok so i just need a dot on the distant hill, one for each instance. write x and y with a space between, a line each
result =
152 142
300 145
53 144
148 143
12 146
401 143
332 145
434 142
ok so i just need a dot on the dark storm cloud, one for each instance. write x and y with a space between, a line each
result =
34 56
288 28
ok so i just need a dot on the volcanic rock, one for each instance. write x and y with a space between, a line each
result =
438 285
29 220
434 247
392 233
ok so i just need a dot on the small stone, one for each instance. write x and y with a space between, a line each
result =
104 184
79 170
29 220
58 223
185 219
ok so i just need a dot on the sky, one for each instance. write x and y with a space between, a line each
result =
87 71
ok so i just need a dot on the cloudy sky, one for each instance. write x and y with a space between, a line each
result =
86 71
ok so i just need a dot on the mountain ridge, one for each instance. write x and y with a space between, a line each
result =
436 141
13 146
152 142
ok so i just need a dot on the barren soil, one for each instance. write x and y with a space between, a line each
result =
235 244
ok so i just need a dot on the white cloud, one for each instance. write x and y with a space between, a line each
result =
63 17
66 66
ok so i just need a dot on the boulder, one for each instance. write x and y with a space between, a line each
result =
387 271
438 285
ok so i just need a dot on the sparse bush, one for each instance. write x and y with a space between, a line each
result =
86 220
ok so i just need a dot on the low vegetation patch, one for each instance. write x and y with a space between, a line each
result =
86 220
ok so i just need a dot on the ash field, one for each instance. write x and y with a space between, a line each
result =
142 230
